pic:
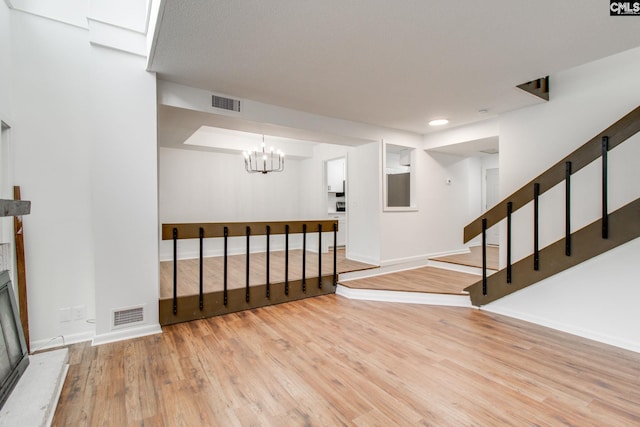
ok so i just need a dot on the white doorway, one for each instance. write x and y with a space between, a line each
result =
491 198
336 191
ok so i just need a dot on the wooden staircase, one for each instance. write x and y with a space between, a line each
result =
612 230
587 243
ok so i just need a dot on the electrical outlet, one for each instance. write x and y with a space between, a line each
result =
64 314
78 312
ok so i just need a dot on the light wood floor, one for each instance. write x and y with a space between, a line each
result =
474 258
331 361
425 279
213 270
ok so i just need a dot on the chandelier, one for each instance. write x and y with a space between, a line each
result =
263 161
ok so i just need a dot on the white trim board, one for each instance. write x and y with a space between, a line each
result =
125 334
396 261
61 340
404 264
362 258
404 297
380 271
459 267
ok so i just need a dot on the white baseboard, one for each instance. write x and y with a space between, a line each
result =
570 329
458 267
379 271
404 260
401 261
404 297
362 258
61 340
125 334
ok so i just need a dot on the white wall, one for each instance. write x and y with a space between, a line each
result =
6 146
364 204
84 135
124 180
475 186
442 209
204 186
201 186
51 134
5 63
595 298
479 130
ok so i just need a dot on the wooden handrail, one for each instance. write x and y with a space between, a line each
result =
618 132
216 229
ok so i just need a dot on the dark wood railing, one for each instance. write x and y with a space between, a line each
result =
529 270
183 308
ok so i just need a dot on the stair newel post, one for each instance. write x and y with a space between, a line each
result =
201 269
175 271
536 224
509 211
567 209
484 256
605 207
247 266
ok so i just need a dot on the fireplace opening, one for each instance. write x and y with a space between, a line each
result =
13 348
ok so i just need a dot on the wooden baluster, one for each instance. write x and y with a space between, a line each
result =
567 209
175 271
484 256
536 219
605 203
201 296
319 256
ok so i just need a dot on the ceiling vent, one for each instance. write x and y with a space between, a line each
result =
225 103
128 316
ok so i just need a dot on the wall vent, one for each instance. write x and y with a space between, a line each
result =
225 103
128 316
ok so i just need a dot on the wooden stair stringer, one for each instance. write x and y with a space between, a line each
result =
624 226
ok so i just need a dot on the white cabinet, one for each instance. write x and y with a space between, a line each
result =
335 176
342 230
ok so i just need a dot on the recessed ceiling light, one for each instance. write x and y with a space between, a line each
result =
438 122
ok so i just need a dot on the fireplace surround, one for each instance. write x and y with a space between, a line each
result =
14 357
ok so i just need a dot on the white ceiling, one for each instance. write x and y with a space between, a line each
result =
396 64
